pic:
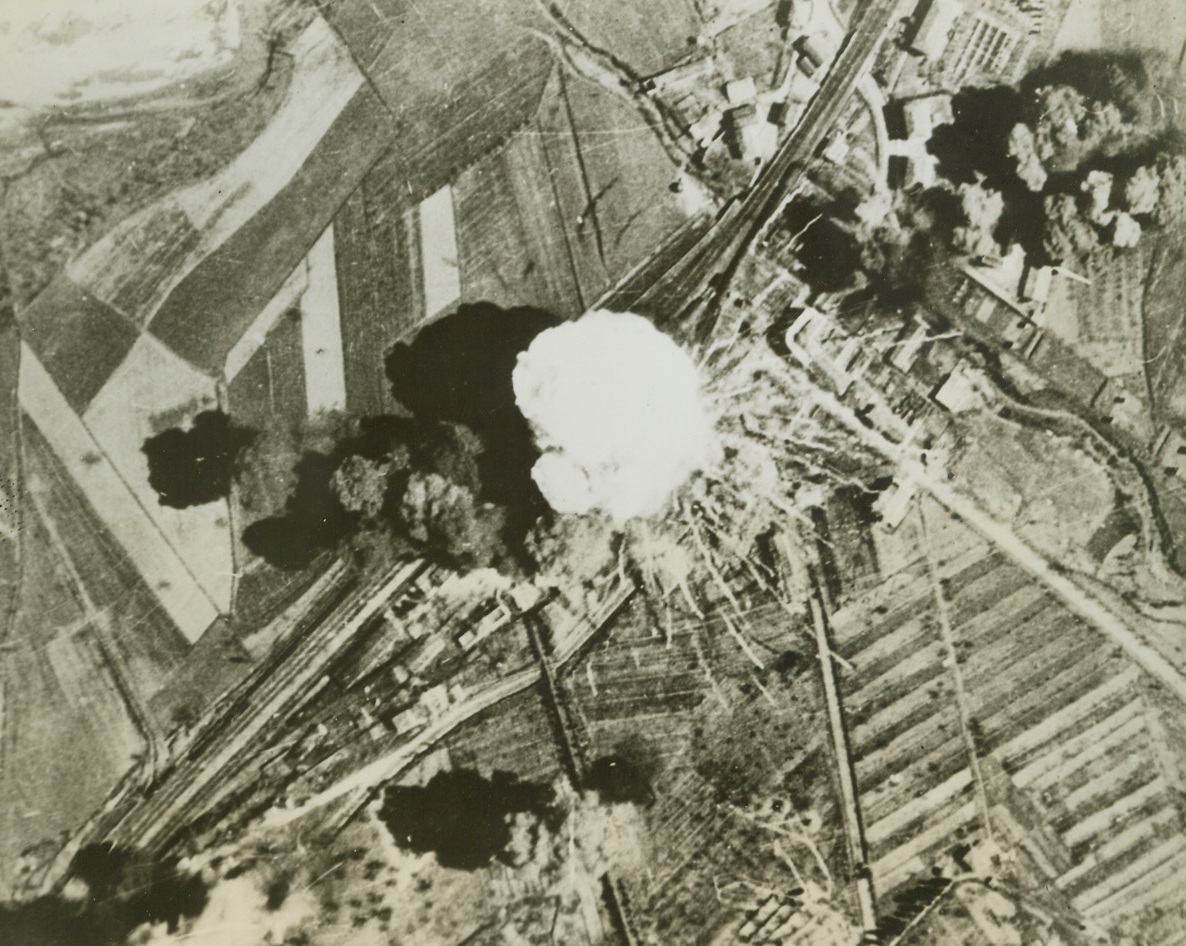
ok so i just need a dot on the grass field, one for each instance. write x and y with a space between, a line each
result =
134 268
149 643
60 755
79 339
506 256
611 178
650 37
1165 326
378 296
120 511
153 390
457 81
755 46
271 387
1149 24
219 299
10 474
96 174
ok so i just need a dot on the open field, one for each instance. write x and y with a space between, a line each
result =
512 242
457 81
1164 327
63 743
611 181
649 37
186 603
11 499
217 301
144 637
380 302
271 387
94 164
321 331
80 339
145 395
1145 24
1045 726
194 222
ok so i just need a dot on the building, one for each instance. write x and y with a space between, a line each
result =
912 122
969 43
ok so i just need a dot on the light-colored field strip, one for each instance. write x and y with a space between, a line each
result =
1053 725
438 252
153 383
251 341
1099 786
321 330
84 679
324 80
1160 887
1103 819
183 599
905 861
1147 829
1116 888
1063 758
919 807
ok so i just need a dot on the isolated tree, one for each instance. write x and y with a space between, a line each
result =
189 467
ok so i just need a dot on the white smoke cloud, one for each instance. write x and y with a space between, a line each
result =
617 410
235 915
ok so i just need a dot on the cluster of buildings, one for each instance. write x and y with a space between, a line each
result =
961 42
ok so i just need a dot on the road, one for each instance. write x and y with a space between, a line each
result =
707 266
1090 607
850 803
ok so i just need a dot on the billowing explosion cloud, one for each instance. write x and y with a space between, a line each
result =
617 411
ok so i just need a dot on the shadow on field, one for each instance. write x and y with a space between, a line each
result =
125 889
194 466
461 816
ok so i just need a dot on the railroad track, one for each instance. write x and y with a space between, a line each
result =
258 705
699 277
